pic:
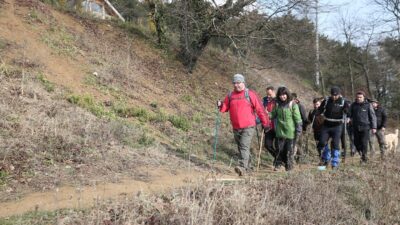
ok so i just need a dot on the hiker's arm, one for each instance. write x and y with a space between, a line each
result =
321 108
297 119
225 105
346 108
255 101
372 117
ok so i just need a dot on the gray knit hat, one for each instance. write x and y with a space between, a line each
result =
238 78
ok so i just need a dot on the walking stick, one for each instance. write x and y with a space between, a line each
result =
259 153
217 123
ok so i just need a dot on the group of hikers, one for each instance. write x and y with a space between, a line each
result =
284 120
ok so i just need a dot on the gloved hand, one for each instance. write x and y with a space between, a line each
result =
219 103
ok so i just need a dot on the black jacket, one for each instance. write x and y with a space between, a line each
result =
334 111
381 117
362 116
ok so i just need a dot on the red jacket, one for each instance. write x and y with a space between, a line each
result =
271 103
242 112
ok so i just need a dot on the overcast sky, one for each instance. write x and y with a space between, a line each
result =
360 12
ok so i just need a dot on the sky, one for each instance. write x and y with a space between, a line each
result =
360 12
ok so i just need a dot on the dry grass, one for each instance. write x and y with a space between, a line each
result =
352 195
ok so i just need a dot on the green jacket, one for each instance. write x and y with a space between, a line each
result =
286 117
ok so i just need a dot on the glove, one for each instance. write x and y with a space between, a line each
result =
266 128
219 103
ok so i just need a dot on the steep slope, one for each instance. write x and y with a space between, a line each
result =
86 101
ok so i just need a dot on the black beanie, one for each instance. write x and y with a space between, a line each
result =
335 90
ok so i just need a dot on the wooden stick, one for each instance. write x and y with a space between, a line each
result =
259 153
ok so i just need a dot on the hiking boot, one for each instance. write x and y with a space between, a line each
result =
279 169
239 170
335 168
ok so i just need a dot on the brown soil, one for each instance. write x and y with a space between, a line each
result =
142 74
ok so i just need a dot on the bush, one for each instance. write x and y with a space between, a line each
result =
180 122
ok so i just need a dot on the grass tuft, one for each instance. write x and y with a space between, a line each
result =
48 86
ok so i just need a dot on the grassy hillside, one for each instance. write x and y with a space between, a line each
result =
88 102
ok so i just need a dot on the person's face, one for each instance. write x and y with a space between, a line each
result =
283 97
360 98
317 104
375 104
335 97
239 86
270 93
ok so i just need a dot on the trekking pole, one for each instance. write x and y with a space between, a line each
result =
259 152
344 138
217 123
258 136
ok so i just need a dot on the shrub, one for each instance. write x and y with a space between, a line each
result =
180 122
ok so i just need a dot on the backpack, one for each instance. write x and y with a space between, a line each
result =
247 96
326 102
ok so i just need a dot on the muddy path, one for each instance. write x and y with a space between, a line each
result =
86 196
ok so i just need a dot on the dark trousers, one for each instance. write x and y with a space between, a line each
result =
317 135
285 152
269 143
351 139
361 139
334 132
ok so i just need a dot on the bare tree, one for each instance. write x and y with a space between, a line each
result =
393 7
201 20
350 30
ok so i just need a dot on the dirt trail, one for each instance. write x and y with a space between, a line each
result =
86 196
61 70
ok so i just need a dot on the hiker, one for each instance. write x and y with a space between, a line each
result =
316 120
243 106
269 103
381 118
288 127
297 151
363 121
334 109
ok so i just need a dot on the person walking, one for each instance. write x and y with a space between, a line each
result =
269 103
334 109
363 121
243 105
316 120
299 147
381 118
288 126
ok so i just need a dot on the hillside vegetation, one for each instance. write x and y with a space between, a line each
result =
88 102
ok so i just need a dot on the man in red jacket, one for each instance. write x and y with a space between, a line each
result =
243 106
